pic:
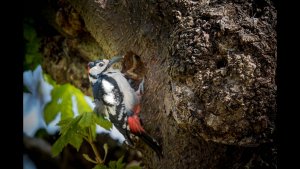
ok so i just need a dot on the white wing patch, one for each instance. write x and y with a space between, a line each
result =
109 96
108 87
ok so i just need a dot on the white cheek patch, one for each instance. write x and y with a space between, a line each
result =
96 70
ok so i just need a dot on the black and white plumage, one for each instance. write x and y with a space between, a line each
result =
116 99
107 84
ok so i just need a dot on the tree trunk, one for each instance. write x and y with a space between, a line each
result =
209 66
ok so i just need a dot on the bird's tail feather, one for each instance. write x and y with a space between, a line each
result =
152 143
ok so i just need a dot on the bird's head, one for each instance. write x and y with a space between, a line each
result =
98 67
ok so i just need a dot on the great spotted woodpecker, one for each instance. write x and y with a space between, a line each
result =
116 99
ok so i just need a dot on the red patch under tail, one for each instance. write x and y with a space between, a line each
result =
135 125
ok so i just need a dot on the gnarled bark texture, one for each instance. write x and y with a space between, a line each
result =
210 90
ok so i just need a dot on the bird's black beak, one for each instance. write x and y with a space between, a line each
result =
91 64
114 60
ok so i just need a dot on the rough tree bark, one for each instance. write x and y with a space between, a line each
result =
209 66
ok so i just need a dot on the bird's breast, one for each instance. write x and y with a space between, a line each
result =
130 97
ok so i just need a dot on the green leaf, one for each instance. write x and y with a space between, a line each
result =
76 140
26 90
134 167
57 147
62 102
120 165
86 120
112 165
70 133
87 157
83 106
105 147
93 130
70 137
100 166
29 31
102 122
48 79
117 164
65 125
33 57
41 133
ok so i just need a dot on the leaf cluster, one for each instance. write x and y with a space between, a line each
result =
32 43
62 102
74 130
116 165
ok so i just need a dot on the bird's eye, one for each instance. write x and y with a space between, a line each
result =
101 64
